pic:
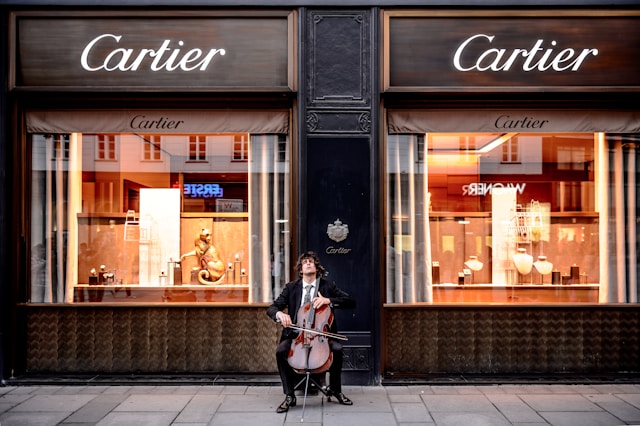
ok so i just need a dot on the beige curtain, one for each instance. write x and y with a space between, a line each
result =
269 216
619 215
74 207
56 185
408 243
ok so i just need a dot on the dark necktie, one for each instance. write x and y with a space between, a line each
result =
307 295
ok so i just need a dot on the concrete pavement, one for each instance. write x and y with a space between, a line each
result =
218 405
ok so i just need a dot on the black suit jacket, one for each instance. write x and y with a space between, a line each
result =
291 298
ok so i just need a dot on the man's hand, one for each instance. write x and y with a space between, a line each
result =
284 319
320 300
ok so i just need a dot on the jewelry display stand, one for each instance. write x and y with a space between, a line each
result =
525 227
474 265
523 261
543 266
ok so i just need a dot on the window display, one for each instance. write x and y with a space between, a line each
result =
123 217
484 218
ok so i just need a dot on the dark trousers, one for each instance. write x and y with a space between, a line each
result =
290 378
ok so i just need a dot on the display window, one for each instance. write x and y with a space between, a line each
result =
515 217
188 207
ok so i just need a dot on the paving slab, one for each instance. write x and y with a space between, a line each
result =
247 419
358 419
154 403
200 409
616 406
555 402
633 399
137 419
564 418
53 403
411 412
251 403
514 409
33 419
457 403
96 409
443 418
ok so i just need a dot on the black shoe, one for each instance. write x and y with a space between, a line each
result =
289 401
342 398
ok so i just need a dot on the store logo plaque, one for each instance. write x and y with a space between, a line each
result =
338 231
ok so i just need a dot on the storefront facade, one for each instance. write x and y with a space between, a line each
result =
506 148
468 175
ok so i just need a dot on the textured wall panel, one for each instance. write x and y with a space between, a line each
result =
339 59
511 340
338 123
152 340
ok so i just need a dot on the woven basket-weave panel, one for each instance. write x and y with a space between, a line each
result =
203 341
511 340
42 342
139 330
122 342
158 339
177 350
104 337
153 340
84 325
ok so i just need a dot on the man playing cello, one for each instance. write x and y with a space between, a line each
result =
321 292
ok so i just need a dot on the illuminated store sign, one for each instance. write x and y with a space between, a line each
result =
535 58
514 53
202 190
166 57
239 51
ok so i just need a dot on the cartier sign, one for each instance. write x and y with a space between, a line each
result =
535 58
189 52
166 57
511 53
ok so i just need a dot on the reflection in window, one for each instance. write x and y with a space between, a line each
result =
240 147
571 158
152 149
510 151
105 147
61 149
197 148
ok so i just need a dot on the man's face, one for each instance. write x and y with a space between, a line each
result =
308 266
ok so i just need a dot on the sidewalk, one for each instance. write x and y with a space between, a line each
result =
467 405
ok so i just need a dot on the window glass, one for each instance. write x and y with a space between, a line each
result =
158 218
486 218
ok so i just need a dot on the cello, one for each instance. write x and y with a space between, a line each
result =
310 352
310 349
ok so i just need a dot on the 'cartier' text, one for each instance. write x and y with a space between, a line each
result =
540 56
168 56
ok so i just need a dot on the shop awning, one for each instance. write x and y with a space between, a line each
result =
162 121
522 121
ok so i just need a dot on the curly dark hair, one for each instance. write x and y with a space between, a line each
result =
320 270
